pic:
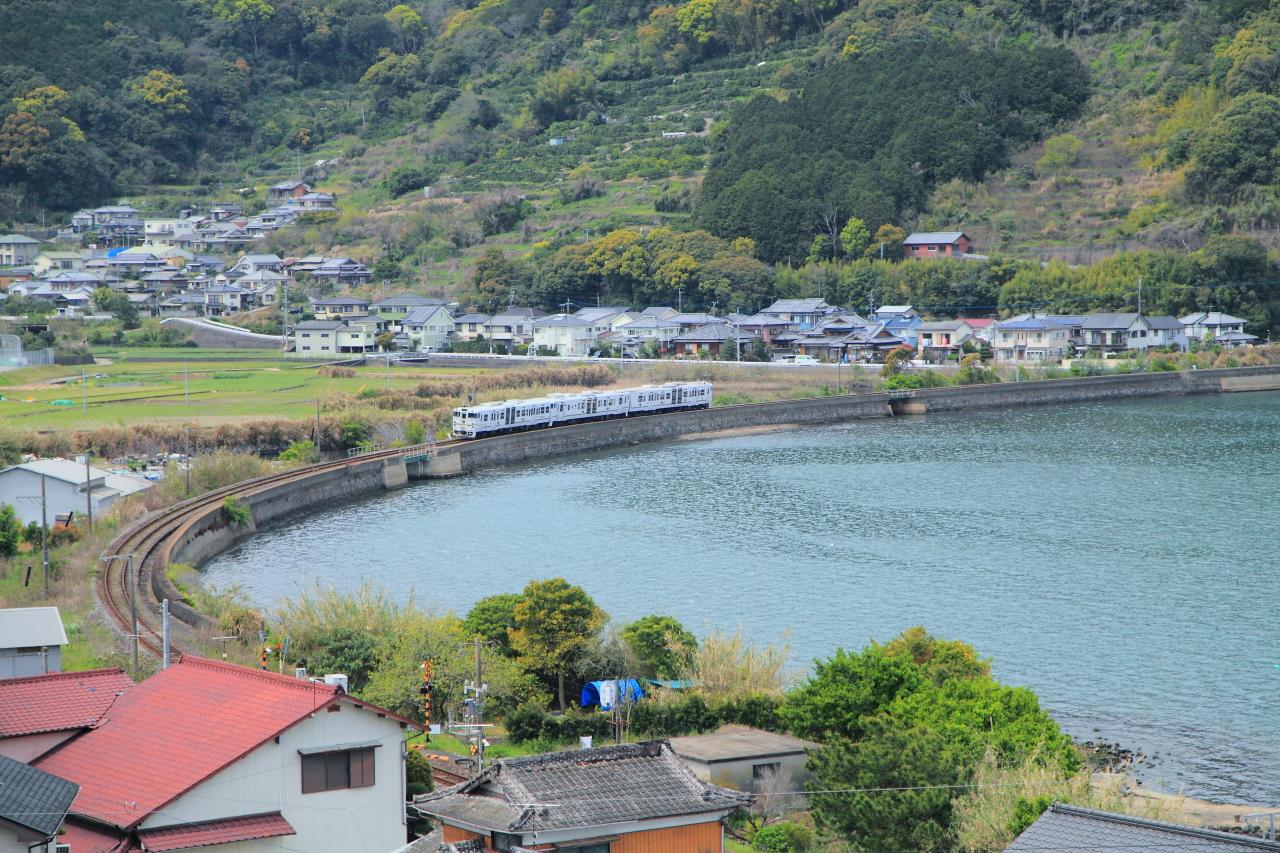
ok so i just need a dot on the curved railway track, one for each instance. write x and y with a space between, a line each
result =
145 540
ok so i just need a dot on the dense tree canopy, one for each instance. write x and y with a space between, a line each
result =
869 136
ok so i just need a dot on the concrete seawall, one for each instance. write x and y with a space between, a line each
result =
206 534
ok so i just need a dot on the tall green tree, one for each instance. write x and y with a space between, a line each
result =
492 619
10 531
555 622
661 643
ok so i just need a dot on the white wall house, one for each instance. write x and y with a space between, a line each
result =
1102 333
429 327
564 333
252 761
1030 339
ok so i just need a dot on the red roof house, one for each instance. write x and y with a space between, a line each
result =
207 753
42 711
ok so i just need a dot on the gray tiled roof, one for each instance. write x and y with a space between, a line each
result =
33 798
581 788
1164 321
1109 321
1070 829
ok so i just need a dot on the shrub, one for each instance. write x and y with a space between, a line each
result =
785 837
237 512
300 451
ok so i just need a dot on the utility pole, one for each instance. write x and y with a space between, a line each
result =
133 607
84 393
186 383
44 534
473 725
680 300
88 491
164 631
1139 294
187 432
317 426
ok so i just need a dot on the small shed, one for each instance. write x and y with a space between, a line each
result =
743 757
31 641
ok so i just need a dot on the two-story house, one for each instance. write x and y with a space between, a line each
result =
252 263
340 308
937 340
1224 329
1030 339
511 327
1114 332
564 334
333 337
18 250
469 326
800 313
428 327
206 754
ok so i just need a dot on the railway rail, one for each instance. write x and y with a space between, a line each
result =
145 541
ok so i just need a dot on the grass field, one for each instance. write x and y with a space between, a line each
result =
195 386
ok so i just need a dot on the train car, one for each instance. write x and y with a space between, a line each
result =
507 416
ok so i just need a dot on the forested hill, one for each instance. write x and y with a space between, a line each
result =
1036 125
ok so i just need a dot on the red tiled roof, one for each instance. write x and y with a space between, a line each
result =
58 701
209 832
175 730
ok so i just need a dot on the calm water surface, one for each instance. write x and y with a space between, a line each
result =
1116 558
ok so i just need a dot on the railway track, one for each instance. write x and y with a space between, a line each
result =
145 540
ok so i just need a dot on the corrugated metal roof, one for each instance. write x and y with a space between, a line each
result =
933 237
22 627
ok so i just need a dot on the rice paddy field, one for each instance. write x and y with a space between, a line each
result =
212 387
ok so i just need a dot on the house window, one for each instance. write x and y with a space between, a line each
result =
333 771
505 841
765 771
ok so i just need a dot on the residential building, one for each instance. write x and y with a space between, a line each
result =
64 489
41 712
649 327
252 263
564 334
746 759
1166 331
1223 328
221 211
606 318
511 327
1030 339
711 339
262 287
937 340
428 327
1073 828
936 244
801 313
56 261
1107 333
18 250
871 344
282 192
343 272
693 319
31 641
468 327
403 303
885 313
766 326
983 327
662 312
120 214
33 805
333 337
633 798
315 202
212 755
340 308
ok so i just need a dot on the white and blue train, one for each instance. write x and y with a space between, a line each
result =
557 409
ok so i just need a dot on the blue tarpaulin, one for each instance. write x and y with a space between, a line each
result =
609 693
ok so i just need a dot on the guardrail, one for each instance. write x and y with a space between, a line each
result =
427 447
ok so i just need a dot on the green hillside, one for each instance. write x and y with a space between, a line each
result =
1065 130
